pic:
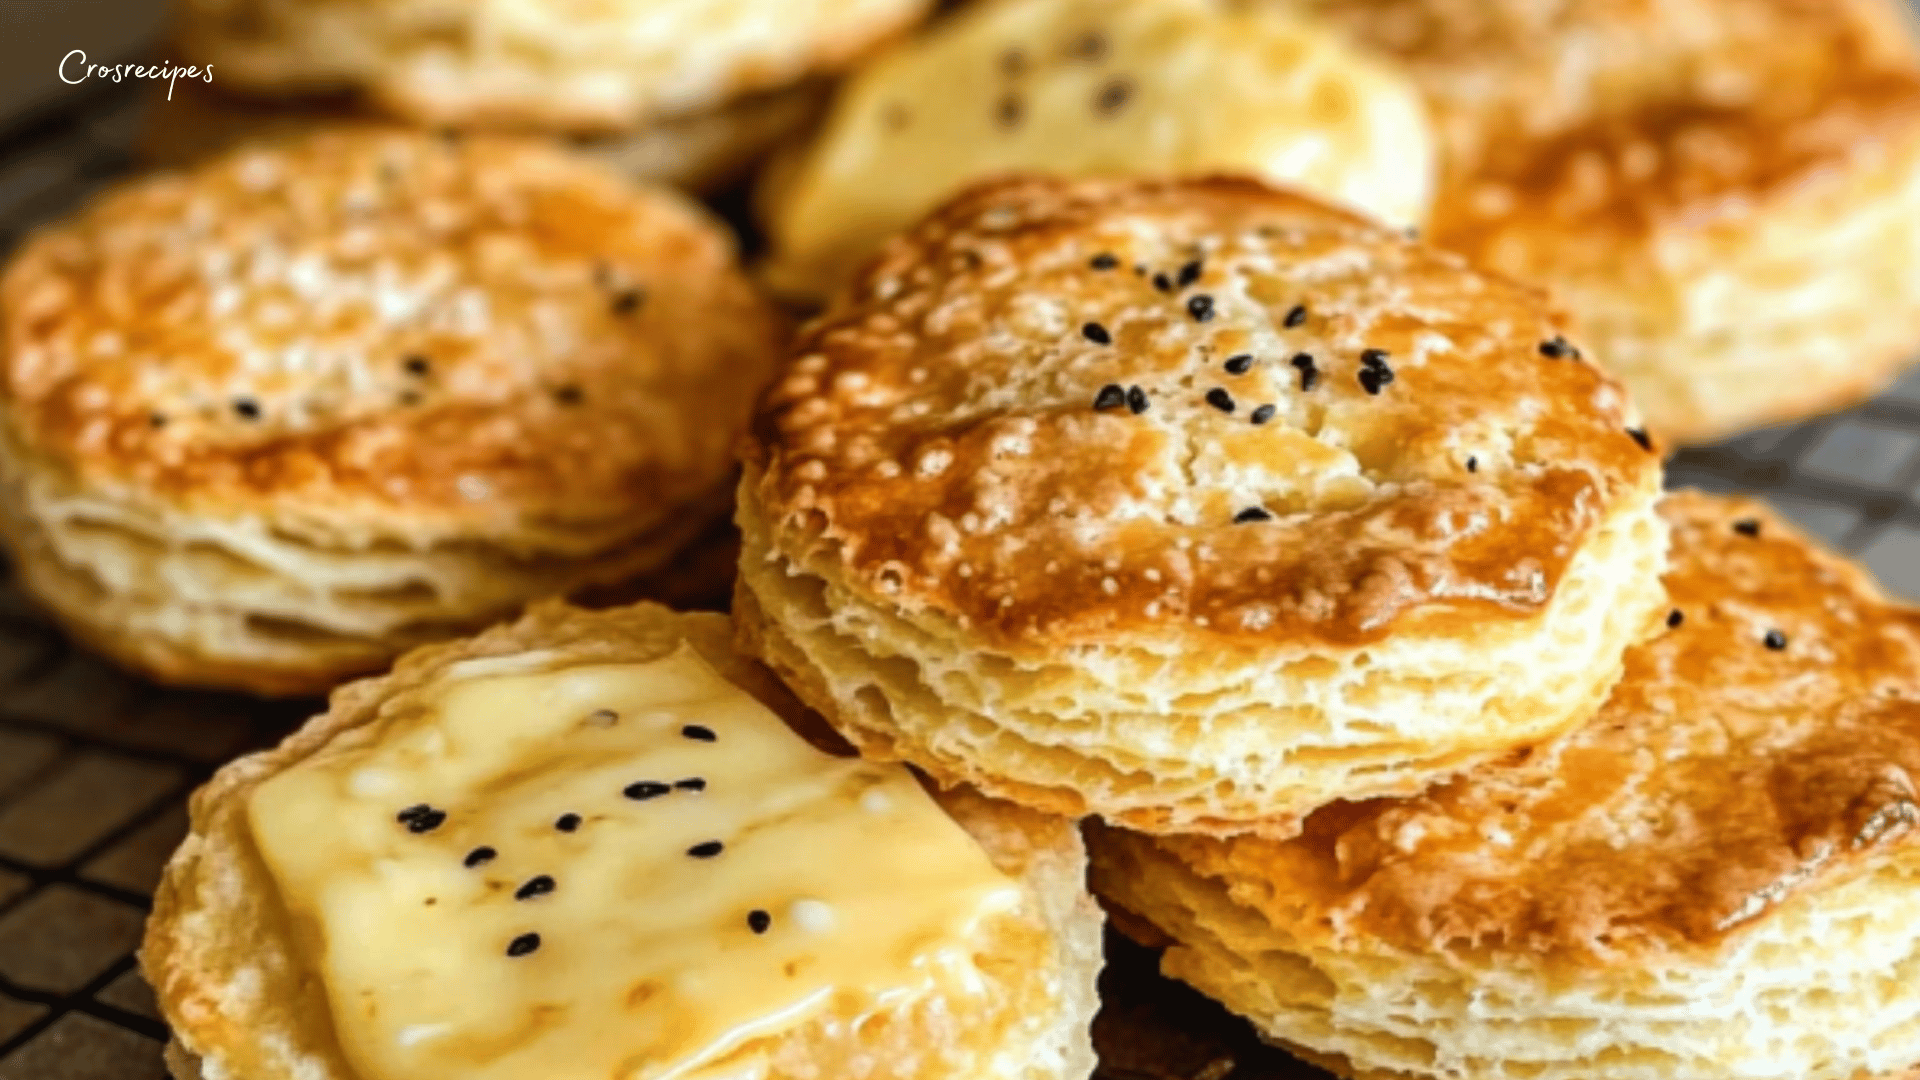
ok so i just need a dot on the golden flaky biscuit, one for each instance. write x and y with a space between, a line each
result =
700 151
241 963
1717 876
1193 504
567 65
1091 88
272 421
1726 193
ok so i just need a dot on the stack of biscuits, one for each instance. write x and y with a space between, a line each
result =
1217 495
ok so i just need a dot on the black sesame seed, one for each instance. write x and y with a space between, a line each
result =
646 789
1239 365
1639 435
1220 399
1251 514
1375 379
1675 618
479 856
1201 308
1776 640
568 395
706 850
691 783
1113 96
247 408
1111 396
1007 113
1191 272
759 921
1163 282
1374 358
421 818
1104 261
418 365
1557 349
1136 400
1262 414
1473 464
534 887
1297 315
628 301
523 945
699 733
1088 46
156 420
1096 333
1308 373
1747 527
567 822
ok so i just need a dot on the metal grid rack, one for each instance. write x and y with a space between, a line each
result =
95 766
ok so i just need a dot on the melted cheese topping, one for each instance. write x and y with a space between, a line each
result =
1101 88
837 883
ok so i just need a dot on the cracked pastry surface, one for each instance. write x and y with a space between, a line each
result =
1713 877
273 420
473 867
1191 504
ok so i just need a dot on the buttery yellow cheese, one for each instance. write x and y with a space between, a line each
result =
607 872
1097 88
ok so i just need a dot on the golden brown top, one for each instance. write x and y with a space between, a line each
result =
1063 411
1518 70
1766 742
1613 117
387 331
1674 164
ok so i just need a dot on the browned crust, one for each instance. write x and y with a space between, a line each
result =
904 369
606 435
1674 165
1721 778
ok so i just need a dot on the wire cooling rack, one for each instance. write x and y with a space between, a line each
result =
95 766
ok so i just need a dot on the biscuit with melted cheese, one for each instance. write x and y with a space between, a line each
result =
1725 193
588 844
1091 88
556 65
1716 876
1192 504
270 422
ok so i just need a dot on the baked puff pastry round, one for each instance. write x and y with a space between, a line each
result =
555 65
1192 504
1717 876
1725 193
268 423
703 151
1093 88
589 845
